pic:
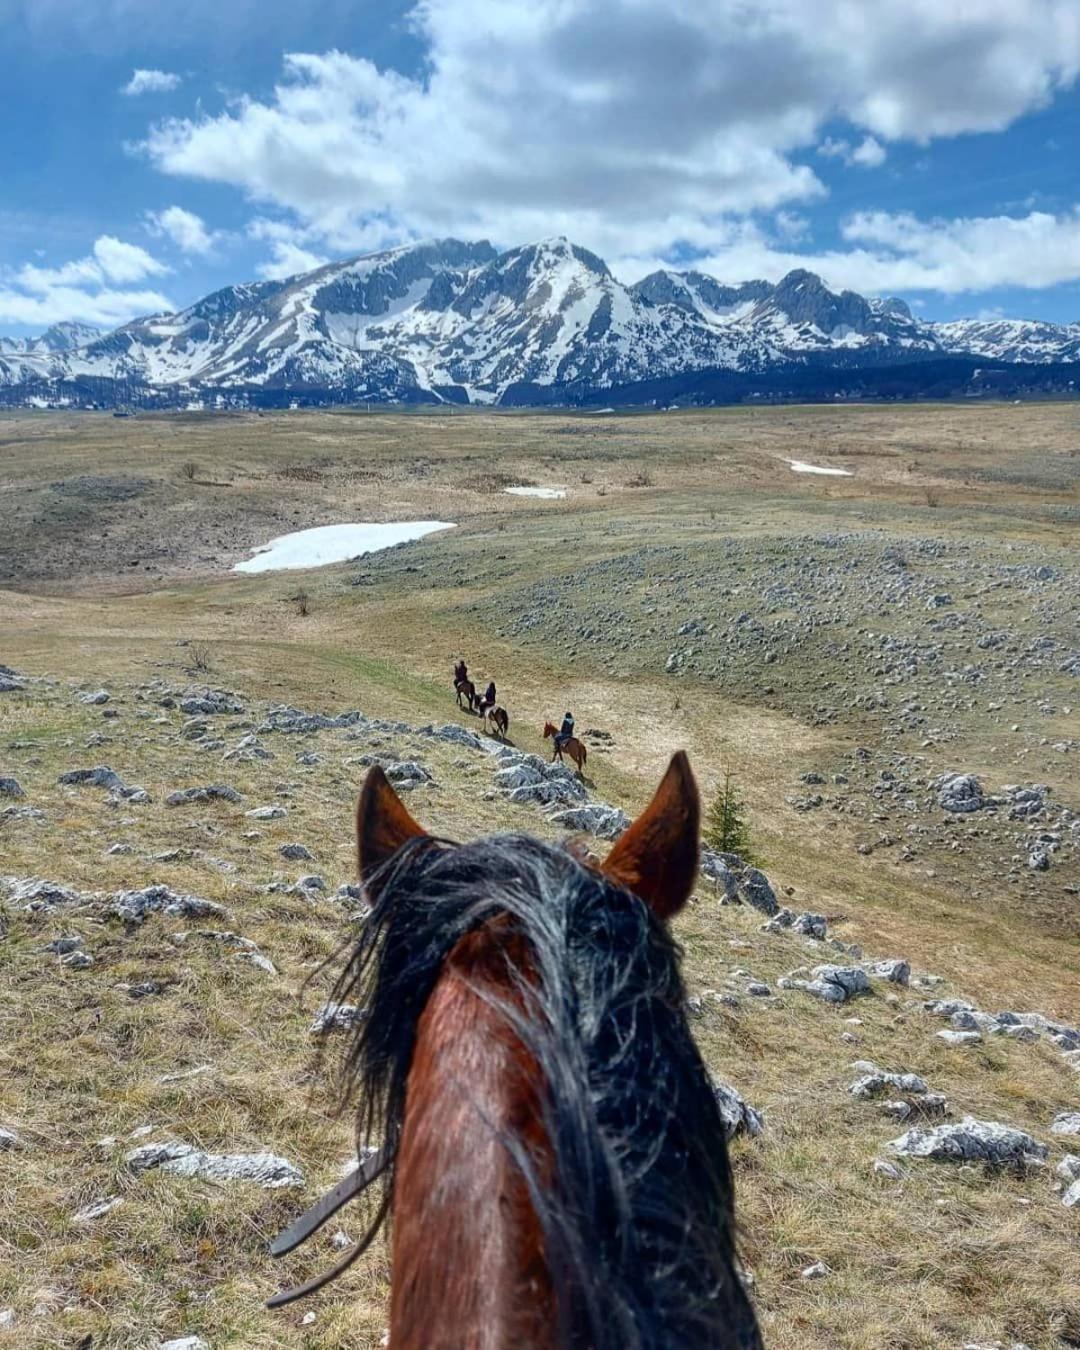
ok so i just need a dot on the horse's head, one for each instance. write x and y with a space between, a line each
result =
550 730
527 1059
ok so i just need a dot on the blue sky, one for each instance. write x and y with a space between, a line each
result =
900 148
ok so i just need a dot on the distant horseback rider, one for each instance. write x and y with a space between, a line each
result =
488 701
461 673
565 732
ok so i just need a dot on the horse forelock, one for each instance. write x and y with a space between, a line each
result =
636 1206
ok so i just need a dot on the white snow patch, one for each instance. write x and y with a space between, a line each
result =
800 466
548 493
334 543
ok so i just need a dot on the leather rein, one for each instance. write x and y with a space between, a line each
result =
298 1232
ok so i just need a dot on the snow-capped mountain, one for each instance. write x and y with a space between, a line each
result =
451 320
1011 339
61 337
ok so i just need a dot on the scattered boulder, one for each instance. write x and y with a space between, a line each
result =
738 1115
77 961
210 703
182 1160
894 969
184 1343
455 735
1066 1122
98 1210
951 1037
973 1140
806 924
876 1082
104 777
407 775
832 984
95 697
741 883
817 1271
336 1017
211 793
136 906
267 813
960 793
9 1140
35 893
296 853
606 822
10 787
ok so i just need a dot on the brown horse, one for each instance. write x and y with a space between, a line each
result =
467 690
572 747
550 1144
497 720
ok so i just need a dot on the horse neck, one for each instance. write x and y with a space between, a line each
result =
469 1266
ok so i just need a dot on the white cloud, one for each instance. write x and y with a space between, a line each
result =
289 253
893 253
186 230
92 289
868 154
151 82
634 126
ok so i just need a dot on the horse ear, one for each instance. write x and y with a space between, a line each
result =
382 823
657 857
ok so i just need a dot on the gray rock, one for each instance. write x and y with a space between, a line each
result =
182 1160
10 787
960 793
336 1017
606 822
103 777
806 924
184 1343
36 893
210 703
9 1140
1066 1122
77 961
137 906
951 1037
211 793
98 1210
817 1271
875 1083
296 853
1068 1169
247 749
1071 1198
455 735
895 970
267 813
95 698
888 1170
311 883
738 1115
407 774
741 883
852 979
973 1141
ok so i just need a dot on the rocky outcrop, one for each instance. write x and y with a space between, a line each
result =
973 1140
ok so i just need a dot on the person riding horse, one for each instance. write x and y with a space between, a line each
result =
565 732
461 672
488 701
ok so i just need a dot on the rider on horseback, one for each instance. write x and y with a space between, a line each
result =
461 672
488 701
565 732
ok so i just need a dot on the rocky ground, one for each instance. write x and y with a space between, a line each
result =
159 1121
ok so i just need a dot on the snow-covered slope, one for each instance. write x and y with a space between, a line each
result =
446 319
1011 339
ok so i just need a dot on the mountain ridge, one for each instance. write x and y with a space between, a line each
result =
446 319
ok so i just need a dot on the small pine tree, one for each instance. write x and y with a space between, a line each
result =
726 827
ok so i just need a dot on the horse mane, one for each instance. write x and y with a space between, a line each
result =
635 1206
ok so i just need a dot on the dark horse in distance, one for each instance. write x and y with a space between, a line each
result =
550 1146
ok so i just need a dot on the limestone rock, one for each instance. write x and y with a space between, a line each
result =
606 822
336 1017
973 1141
210 793
182 1160
1066 1122
738 1115
104 777
10 787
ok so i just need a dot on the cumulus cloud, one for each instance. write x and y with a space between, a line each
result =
898 252
868 154
93 289
289 249
634 126
184 228
151 82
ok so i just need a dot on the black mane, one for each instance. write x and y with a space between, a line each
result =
639 1228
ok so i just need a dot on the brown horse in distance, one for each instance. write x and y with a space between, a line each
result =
467 690
497 720
572 747
551 1146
